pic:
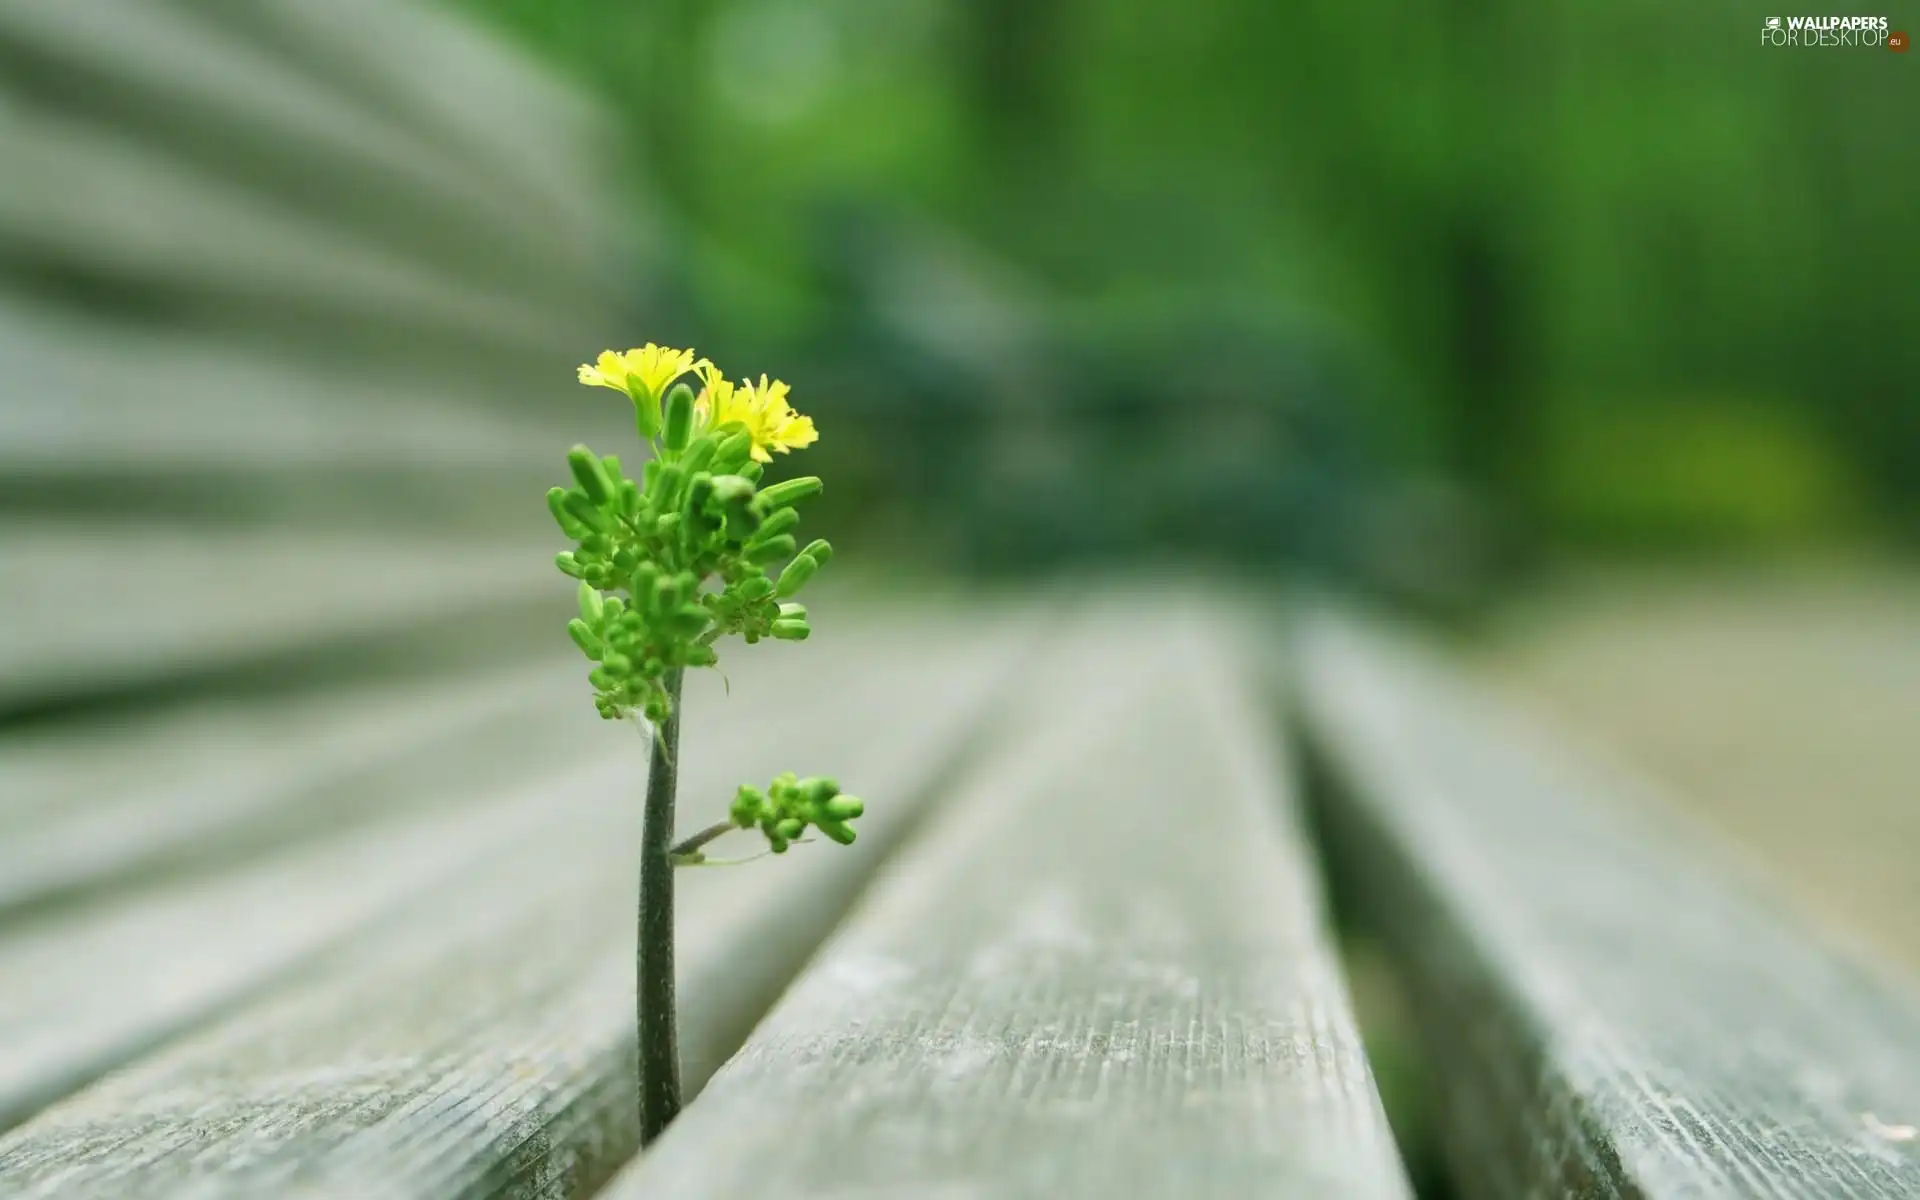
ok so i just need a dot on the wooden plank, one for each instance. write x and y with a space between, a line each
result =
82 810
198 599
1102 972
68 408
206 245
456 86
87 987
177 78
482 1046
1612 1007
86 991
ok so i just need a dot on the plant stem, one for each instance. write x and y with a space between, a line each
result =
654 1007
715 830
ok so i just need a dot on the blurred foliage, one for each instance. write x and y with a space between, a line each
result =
1608 277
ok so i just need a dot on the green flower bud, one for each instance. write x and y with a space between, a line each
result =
592 476
557 505
795 575
641 583
701 656
591 605
617 665
791 631
611 464
602 678
629 497
777 523
686 622
668 525
655 708
819 550
818 789
788 492
748 804
838 832
679 418
791 828
757 588
843 808
731 489
699 455
793 610
567 564
614 607
753 471
583 637
734 451
583 510
699 490
771 550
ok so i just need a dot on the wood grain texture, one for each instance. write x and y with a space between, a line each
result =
1100 972
185 83
87 808
203 598
199 240
463 90
207 407
87 986
1613 1007
482 1045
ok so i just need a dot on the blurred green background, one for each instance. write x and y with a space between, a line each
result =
1433 292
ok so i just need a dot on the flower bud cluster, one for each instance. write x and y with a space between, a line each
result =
789 805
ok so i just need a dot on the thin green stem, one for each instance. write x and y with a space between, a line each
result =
691 844
656 1031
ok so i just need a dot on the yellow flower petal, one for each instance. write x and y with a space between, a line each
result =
646 370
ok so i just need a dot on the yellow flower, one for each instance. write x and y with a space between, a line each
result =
763 409
646 371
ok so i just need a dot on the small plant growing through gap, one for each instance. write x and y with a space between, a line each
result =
690 544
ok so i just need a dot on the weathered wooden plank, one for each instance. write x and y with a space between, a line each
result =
1102 972
186 599
1613 1008
87 987
177 77
69 408
85 991
201 241
482 1046
88 808
459 88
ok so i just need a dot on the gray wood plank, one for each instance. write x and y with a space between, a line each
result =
90 986
89 808
482 1046
204 407
1613 1005
185 598
180 79
200 240
1101 972
460 88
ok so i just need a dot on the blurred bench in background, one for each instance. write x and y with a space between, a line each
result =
279 308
